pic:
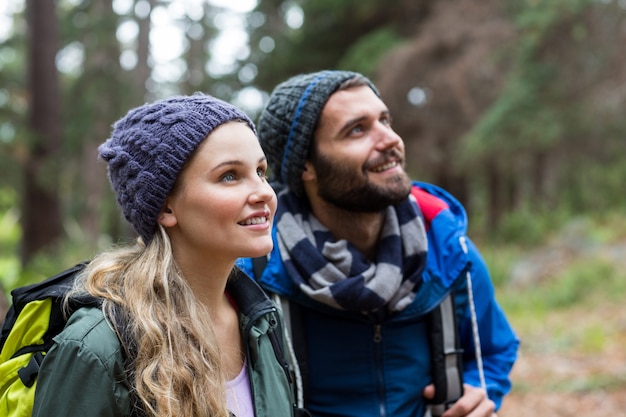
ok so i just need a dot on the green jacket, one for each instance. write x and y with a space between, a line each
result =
83 373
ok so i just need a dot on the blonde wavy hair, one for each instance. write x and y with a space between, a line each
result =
176 370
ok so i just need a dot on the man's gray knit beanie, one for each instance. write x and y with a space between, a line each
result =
287 124
149 147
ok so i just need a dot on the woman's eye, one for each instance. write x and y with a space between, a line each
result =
262 173
229 176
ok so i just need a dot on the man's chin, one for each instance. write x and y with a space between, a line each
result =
399 186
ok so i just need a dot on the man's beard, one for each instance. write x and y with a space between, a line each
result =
343 187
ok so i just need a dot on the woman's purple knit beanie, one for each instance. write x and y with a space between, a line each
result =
149 147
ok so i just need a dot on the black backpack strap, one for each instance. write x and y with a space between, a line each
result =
28 374
446 356
54 287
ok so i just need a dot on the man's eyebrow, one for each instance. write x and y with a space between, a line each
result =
351 122
356 120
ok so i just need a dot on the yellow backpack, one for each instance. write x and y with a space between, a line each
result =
33 319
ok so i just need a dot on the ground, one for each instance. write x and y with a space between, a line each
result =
536 399
572 361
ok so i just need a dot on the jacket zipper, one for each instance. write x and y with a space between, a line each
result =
378 349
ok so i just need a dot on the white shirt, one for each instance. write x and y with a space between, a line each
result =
238 394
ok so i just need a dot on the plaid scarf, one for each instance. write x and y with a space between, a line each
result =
337 274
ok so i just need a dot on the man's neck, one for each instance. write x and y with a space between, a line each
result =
360 229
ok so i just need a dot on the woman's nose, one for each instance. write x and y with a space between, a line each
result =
262 192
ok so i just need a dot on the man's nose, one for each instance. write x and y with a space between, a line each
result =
387 138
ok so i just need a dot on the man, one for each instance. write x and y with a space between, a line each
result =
364 254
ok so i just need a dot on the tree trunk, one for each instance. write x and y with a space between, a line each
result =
41 208
101 62
141 73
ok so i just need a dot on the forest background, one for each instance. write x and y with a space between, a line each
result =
516 107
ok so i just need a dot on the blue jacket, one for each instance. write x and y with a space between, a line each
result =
358 367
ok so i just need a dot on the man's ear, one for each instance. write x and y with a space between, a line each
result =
167 217
308 173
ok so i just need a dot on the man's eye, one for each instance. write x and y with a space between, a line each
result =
356 130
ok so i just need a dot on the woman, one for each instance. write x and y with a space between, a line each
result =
181 331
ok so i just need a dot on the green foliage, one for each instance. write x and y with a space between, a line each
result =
334 34
365 54
575 312
599 186
525 116
528 227
499 259
74 249
13 107
592 272
589 270
522 119
45 265
10 235
585 282
544 129
539 16
581 279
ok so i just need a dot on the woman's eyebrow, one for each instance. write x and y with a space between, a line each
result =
234 162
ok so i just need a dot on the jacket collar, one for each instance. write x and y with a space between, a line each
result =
247 294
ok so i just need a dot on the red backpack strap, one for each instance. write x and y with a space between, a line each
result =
429 204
